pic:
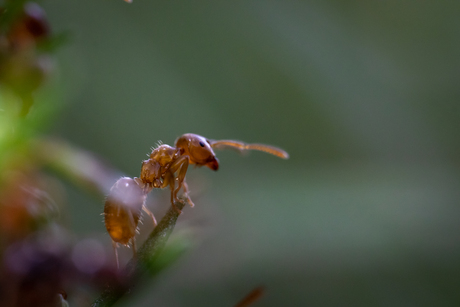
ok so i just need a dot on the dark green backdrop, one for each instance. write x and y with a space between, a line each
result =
364 95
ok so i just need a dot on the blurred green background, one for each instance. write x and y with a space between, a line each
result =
364 95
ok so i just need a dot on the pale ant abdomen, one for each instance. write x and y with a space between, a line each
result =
122 211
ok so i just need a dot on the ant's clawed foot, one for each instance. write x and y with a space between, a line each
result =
185 199
154 220
190 202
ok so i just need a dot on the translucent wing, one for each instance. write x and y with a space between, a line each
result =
223 144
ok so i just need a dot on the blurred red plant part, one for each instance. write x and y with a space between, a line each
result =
252 297
79 166
34 270
29 28
25 204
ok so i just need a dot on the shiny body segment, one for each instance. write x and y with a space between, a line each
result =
122 211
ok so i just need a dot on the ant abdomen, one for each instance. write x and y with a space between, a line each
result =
122 209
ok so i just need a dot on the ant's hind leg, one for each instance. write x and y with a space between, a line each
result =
146 210
133 245
115 249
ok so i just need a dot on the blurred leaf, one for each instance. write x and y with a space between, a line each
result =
77 165
54 42
10 11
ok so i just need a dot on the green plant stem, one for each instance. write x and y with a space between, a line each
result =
144 263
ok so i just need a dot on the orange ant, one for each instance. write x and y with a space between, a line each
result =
166 166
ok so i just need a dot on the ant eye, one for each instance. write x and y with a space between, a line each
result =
201 144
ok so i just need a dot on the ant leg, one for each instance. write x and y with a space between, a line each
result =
146 210
172 199
133 244
169 180
181 166
115 246
186 190
173 202
183 183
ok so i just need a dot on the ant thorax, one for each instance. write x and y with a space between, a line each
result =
153 169
164 154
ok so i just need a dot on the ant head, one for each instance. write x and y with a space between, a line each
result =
198 149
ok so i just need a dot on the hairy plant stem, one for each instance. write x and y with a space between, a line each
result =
144 263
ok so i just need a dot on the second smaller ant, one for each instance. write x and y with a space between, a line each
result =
166 166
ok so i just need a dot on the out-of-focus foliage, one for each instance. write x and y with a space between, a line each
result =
39 259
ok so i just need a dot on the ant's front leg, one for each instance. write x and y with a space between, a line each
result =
180 166
168 179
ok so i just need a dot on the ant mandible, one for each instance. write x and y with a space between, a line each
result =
166 166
